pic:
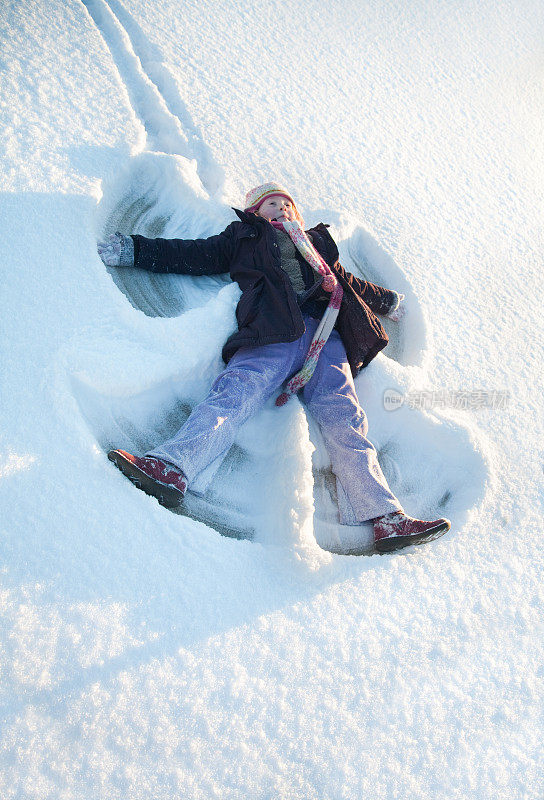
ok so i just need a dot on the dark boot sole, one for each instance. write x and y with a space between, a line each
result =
168 496
398 542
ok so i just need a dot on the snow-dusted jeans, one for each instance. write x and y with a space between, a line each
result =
253 376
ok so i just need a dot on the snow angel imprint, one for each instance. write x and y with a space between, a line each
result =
305 326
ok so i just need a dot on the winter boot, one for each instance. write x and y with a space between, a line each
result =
396 530
155 477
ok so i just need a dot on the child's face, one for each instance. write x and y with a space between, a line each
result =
276 207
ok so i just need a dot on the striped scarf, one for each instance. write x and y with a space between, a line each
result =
331 285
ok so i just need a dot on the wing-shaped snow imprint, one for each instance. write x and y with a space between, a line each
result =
161 195
407 338
170 189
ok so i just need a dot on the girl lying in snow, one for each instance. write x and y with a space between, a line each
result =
302 319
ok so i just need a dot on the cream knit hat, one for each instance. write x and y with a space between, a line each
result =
256 196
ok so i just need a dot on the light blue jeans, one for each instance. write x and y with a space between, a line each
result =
253 376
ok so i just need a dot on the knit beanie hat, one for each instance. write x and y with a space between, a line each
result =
258 195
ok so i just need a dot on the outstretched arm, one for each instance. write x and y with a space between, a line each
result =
211 256
379 300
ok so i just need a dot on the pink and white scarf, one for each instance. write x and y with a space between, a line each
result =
330 284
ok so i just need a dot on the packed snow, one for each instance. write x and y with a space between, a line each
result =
251 646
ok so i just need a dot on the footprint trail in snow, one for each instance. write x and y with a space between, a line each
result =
152 90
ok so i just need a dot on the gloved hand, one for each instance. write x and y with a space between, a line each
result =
117 251
398 311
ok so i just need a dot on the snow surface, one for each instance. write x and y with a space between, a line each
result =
146 655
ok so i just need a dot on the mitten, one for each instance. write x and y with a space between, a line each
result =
118 251
398 310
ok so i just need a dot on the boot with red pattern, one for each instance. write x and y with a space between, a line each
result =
396 530
155 477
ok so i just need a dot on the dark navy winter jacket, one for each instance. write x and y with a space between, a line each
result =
268 310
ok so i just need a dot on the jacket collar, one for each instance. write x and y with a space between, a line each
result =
245 216
253 219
